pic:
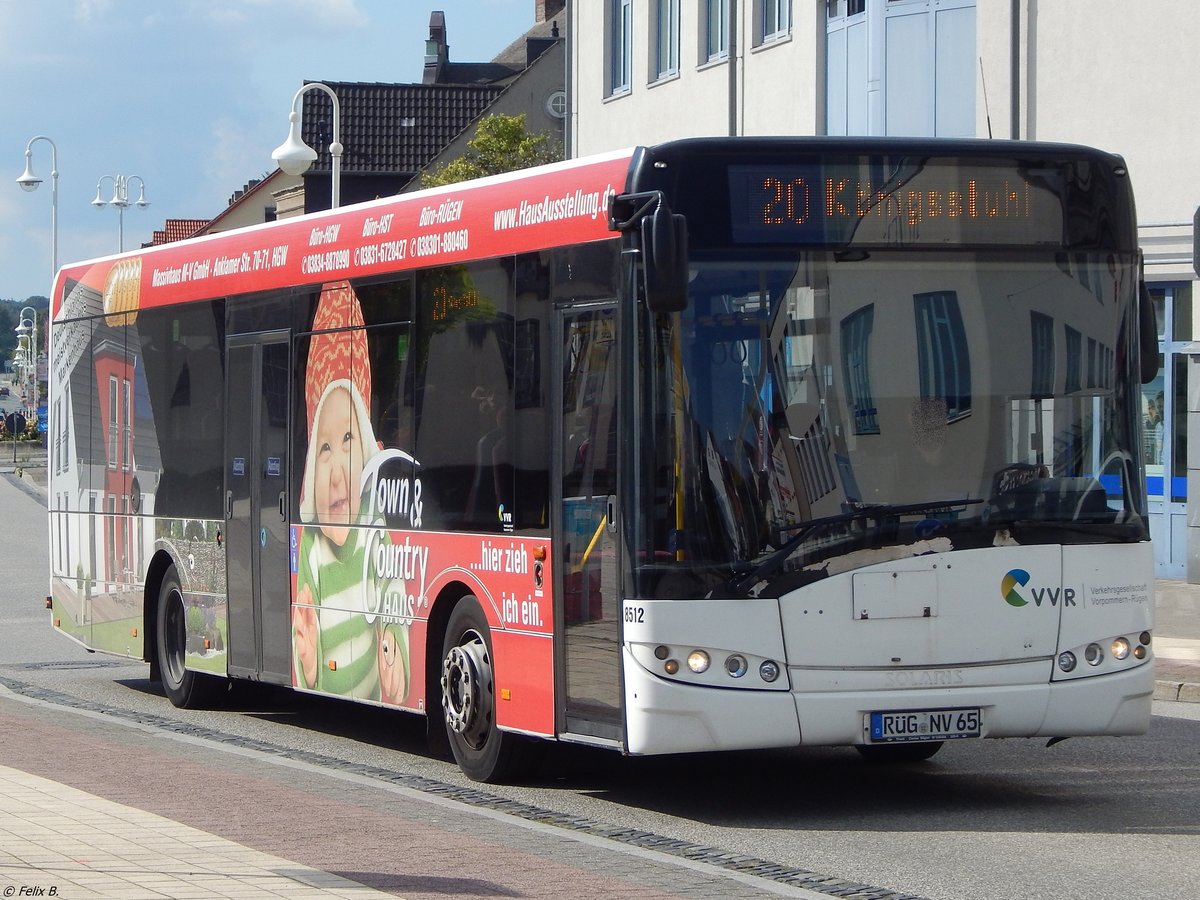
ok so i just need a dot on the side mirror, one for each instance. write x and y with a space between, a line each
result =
1151 359
665 260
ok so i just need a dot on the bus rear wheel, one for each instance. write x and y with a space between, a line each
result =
481 749
184 688
917 751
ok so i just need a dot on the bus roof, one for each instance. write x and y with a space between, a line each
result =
517 212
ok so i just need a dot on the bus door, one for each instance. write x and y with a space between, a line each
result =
256 505
586 562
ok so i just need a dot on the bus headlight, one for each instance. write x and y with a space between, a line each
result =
710 666
1105 655
736 665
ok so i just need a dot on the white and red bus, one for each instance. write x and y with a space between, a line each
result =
717 444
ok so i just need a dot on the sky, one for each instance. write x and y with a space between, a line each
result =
190 96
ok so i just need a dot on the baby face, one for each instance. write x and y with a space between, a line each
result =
338 466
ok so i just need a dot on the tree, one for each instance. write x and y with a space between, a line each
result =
501 144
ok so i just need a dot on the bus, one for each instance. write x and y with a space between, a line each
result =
717 444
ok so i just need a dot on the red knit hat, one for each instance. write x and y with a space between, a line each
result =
337 354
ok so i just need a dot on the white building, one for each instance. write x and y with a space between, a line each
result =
1109 73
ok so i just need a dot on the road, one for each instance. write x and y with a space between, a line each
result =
993 820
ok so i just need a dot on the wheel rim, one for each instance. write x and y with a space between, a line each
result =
467 689
174 637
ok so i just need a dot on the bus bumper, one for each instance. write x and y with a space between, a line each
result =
669 717
1113 704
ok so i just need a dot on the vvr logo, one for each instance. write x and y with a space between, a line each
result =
1013 583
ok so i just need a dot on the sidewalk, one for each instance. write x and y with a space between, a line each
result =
1177 641
56 841
111 808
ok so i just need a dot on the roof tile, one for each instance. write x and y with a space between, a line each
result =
391 128
177 230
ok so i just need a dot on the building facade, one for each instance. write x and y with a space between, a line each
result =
1102 72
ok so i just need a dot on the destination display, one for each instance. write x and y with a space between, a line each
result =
856 203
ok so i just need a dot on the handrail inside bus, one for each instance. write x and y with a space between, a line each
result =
583 560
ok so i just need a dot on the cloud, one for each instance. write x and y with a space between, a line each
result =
25 31
237 156
289 15
92 10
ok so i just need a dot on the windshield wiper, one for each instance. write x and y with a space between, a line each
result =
741 584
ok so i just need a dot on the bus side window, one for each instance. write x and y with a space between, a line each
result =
465 328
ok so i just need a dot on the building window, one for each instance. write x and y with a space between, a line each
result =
1041 332
840 9
904 67
666 38
812 450
856 364
620 46
942 355
1074 359
774 20
56 432
113 423
556 105
127 425
716 35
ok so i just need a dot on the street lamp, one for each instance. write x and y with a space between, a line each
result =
120 199
27 353
29 182
294 156
20 362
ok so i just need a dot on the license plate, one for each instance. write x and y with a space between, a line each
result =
924 725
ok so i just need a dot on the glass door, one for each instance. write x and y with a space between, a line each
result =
586 560
256 506
1164 418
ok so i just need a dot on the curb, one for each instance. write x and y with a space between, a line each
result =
34 477
1184 691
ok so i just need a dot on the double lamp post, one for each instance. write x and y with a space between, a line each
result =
293 156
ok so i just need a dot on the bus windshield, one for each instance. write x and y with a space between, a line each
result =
816 411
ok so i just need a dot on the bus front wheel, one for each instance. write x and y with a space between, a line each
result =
481 749
185 689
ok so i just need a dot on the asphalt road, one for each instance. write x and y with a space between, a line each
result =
994 820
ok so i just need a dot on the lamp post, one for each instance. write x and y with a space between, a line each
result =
294 156
27 353
29 182
120 199
15 420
